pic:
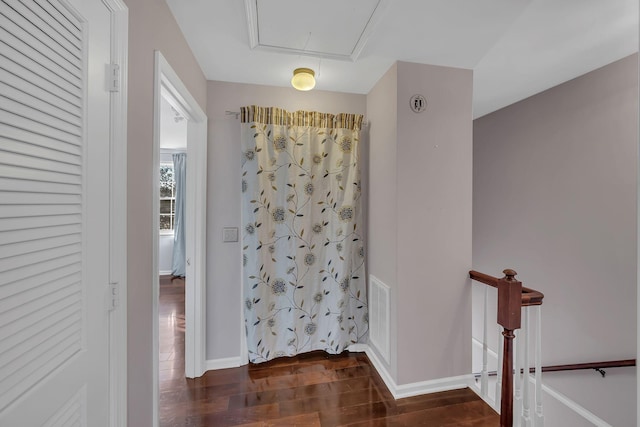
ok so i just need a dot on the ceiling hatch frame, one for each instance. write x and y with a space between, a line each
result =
251 12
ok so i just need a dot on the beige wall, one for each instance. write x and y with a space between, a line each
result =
420 217
555 199
223 195
151 27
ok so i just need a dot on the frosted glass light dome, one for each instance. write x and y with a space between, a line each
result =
303 79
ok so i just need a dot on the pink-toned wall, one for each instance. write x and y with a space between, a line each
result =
434 223
382 112
151 27
555 199
420 217
223 195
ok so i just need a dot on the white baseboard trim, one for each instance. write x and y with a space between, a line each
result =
475 387
418 388
165 273
227 362
358 348
433 386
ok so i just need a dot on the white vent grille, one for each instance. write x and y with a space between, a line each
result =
41 194
379 321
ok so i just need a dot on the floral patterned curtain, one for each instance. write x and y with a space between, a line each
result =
303 254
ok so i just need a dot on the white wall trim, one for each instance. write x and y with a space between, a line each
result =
417 388
476 342
118 216
251 14
164 272
555 394
575 407
224 363
638 261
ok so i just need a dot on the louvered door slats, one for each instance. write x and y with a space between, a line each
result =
40 360
27 326
15 354
38 175
52 29
21 84
23 248
37 104
8 131
59 301
49 9
42 163
62 53
68 273
28 198
39 117
15 211
28 57
29 83
11 64
32 222
50 358
24 123
31 59
17 147
37 269
26 260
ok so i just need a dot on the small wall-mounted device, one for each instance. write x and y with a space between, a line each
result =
418 103
230 234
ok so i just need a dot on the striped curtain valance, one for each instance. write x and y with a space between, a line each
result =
279 116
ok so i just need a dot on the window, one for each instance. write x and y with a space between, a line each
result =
167 198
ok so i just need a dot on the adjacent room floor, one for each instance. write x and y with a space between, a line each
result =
314 389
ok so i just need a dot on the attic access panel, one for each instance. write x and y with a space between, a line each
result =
335 29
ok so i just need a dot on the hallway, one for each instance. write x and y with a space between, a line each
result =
314 389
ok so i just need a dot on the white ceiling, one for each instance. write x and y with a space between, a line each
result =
173 128
516 47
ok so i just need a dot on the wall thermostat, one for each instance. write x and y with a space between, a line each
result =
418 103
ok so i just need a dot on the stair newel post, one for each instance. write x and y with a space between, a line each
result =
509 317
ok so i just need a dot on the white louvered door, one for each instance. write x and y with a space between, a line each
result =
54 213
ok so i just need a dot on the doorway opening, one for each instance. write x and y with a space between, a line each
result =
169 89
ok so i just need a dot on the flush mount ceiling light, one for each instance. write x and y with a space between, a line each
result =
303 79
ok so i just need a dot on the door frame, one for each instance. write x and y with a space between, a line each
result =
168 84
118 216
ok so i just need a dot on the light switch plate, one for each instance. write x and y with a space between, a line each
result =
230 234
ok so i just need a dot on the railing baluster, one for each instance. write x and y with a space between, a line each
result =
526 417
484 378
499 370
539 417
517 392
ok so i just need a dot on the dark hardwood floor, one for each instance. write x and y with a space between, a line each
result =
314 389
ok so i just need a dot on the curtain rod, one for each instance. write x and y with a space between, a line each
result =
365 122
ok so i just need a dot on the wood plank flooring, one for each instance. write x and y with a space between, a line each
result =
314 389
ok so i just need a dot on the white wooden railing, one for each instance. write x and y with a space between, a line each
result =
525 324
514 317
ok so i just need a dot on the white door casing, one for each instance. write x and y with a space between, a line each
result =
55 213
168 84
